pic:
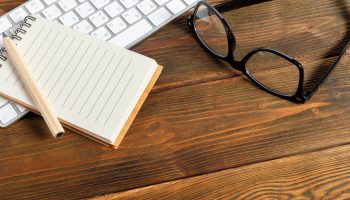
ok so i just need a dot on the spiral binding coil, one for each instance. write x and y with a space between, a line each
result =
16 35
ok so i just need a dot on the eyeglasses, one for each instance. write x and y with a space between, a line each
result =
285 81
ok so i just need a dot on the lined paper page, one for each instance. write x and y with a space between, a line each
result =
92 84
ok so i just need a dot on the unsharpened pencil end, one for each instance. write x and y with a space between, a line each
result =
59 134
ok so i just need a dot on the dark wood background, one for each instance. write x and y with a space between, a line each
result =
205 131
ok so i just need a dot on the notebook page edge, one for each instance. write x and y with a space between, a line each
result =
147 79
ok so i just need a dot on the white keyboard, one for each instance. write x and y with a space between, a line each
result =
121 22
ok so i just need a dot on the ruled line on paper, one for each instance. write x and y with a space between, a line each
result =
58 63
41 59
52 58
12 69
45 53
70 76
104 88
65 68
33 41
69 94
21 83
98 81
36 52
41 44
121 95
82 90
116 86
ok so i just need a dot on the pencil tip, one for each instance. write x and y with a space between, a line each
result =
4 35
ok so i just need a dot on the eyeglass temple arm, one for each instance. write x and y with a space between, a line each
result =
309 94
235 4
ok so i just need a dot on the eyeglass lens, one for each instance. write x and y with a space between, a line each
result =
210 30
274 72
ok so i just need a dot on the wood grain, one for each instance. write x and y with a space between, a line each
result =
219 129
319 175
202 117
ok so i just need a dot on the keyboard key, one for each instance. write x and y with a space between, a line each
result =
102 33
20 108
2 101
38 15
98 18
99 3
114 9
131 34
116 25
190 2
18 15
132 15
84 10
49 2
5 24
67 4
175 6
69 19
161 2
159 16
52 12
129 3
146 6
84 27
34 6
7 113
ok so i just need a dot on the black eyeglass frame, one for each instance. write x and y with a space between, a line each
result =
300 95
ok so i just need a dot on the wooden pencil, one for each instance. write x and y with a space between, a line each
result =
45 107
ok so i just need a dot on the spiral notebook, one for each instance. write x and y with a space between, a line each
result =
97 88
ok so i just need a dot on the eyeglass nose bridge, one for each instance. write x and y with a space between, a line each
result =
238 65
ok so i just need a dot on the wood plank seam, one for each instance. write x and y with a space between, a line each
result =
281 159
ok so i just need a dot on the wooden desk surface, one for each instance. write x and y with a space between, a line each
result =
205 131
